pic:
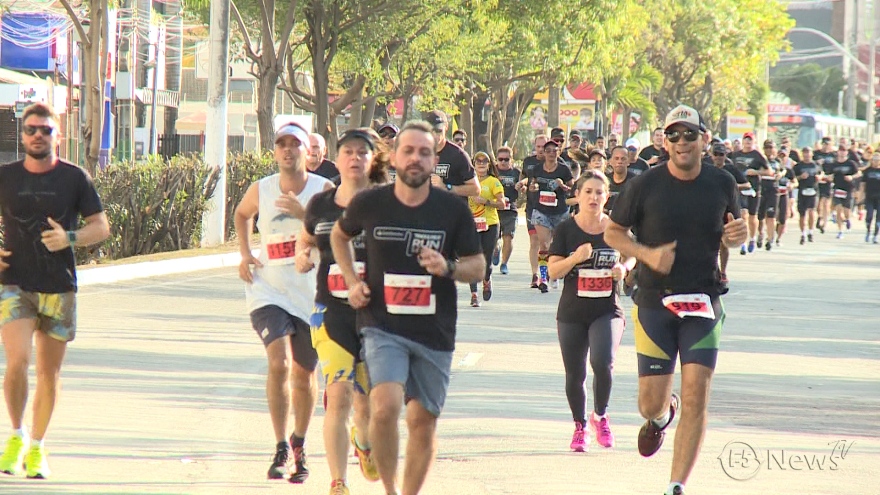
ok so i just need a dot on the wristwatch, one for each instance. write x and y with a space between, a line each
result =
448 187
71 237
450 268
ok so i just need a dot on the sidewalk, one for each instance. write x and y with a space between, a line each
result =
95 275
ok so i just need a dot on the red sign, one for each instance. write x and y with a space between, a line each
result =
779 108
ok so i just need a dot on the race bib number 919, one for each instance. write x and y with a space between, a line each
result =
682 305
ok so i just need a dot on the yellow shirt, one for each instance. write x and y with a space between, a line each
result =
490 188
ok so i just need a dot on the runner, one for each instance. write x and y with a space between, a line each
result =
621 174
317 162
589 317
682 212
767 206
808 174
333 329
407 305
485 209
597 160
387 133
785 185
636 164
871 181
42 199
749 161
454 171
551 184
509 177
720 160
655 152
530 165
844 171
459 137
279 299
825 159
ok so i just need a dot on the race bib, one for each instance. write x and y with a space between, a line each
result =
841 193
506 202
547 198
808 192
699 305
336 282
409 294
594 283
749 192
280 249
482 225
783 190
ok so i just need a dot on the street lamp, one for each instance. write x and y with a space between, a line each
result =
154 143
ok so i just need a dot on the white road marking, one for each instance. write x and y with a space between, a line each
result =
469 360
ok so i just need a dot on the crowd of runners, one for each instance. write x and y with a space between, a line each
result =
359 261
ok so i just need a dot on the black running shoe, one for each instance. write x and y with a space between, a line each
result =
301 467
810 237
543 288
651 436
280 467
534 281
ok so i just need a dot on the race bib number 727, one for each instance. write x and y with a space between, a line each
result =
409 294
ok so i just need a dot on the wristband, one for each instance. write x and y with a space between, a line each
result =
450 268
71 237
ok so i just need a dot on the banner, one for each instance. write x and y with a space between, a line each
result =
739 123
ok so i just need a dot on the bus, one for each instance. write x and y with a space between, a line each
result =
806 128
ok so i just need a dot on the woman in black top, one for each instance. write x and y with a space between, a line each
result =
589 317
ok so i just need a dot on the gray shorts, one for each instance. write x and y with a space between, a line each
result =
548 221
272 323
424 372
508 222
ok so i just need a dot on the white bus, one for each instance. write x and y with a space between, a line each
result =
808 128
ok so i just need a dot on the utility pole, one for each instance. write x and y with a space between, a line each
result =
214 221
872 76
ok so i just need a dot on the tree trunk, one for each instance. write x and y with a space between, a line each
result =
369 111
553 106
624 124
94 65
357 111
266 106
467 121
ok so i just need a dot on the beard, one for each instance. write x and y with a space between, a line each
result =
413 181
38 155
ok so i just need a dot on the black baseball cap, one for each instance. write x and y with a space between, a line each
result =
436 118
573 134
391 127
550 142
557 132
719 148
597 151
361 134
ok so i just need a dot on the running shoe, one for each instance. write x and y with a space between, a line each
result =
840 235
875 240
723 284
280 467
752 246
868 237
554 284
365 459
13 457
337 487
301 467
769 245
809 237
36 463
475 303
861 215
496 257
534 280
487 290
602 428
848 224
579 440
742 250
543 288
821 228
802 240
651 436
760 241
676 491
778 243
503 269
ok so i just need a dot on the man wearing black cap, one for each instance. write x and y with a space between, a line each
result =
574 140
454 171
682 212
720 160
825 159
750 161
387 134
279 298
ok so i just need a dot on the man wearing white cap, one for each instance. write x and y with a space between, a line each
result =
279 298
636 165
682 212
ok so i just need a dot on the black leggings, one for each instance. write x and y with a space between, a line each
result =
601 337
488 240
872 205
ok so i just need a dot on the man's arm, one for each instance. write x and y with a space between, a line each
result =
659 259
95 230
243 219
469 188
470 269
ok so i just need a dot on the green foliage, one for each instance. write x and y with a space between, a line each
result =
810 85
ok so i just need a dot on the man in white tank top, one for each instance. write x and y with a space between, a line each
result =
279 298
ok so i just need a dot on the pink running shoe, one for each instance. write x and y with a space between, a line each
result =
579 439
602 427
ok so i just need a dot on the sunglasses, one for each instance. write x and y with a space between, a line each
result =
504 159
719 154
481 160
689 136
558 140
460 140
46 130
388 135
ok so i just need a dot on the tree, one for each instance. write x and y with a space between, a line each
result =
95 53
810 85
713 55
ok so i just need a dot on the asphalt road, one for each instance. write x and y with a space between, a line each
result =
164 391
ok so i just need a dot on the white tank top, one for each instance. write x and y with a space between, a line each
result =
277 282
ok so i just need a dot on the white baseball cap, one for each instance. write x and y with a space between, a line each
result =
295 130
686 116
633 143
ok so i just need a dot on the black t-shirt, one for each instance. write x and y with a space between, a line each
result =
598 292
64 194
650 152
770 183
840 171
529 166
871 178
615 188
812 169
752 160
785 180
639 166
454 166
550 196
327 170
663 209
731 169
826 161
508 179
321 214
393 233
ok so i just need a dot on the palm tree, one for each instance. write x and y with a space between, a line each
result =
629 92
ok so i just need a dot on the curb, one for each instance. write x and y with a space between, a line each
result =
119 273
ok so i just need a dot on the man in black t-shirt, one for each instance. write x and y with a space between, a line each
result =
750 162
509 177
407 310
720 160
620 175
682 212
551 183
454 171
316 161
843 171
636 164
42 199
655 152
808 173
824 157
